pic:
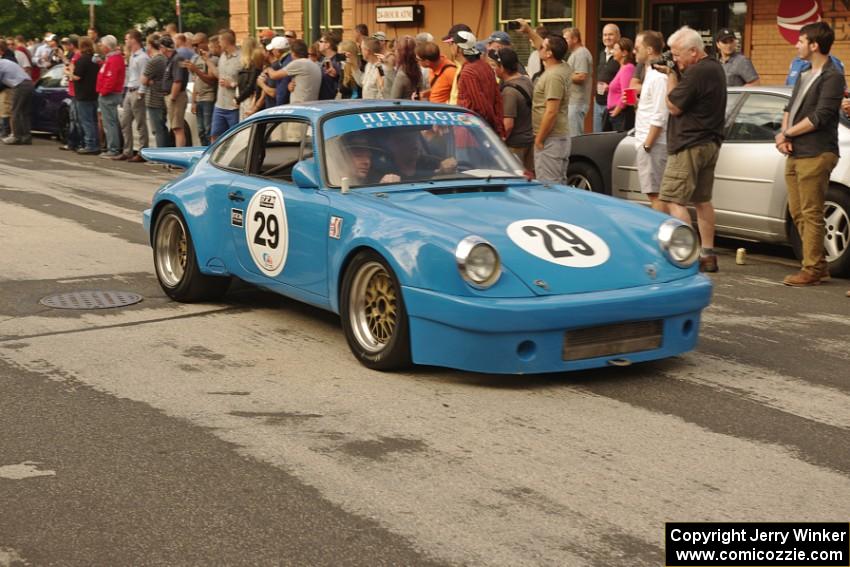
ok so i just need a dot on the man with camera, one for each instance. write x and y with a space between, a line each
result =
696 99
809 138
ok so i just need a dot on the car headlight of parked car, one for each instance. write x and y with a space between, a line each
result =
478 262
679 242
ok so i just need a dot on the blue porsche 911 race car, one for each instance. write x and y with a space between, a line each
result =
415 224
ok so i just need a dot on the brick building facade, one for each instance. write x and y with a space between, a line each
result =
756 21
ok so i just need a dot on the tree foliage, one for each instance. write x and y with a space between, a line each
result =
32 18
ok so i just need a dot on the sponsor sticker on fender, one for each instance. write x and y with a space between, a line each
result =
266 230
559 242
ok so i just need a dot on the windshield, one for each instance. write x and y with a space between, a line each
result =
375 148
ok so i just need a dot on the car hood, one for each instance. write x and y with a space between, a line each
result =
607 244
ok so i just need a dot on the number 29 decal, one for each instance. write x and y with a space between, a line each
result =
266 230
560 243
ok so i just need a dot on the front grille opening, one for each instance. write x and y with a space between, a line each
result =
609 340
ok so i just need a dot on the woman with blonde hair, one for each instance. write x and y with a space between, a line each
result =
253 58
352 74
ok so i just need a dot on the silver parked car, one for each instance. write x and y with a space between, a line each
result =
749 188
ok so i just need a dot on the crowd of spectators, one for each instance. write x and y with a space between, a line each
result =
127 95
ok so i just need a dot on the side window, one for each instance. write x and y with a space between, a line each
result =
52 78
282 144
232 151
731 101
759 119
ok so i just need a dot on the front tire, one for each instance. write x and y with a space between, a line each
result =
584 175
373 315
176 264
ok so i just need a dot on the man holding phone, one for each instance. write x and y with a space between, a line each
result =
331 67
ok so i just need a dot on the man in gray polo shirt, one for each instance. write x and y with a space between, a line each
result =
739 70
226 110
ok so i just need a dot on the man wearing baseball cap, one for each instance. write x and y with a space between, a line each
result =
266 36
498 39
477 89
277 91
739 70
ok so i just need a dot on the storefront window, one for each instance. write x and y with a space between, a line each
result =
331 17
555 10
335 13
553 14
705 17
626 14
620 9
513 9
268 13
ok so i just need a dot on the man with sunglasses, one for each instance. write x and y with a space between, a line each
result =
549 111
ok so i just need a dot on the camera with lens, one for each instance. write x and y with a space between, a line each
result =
666 60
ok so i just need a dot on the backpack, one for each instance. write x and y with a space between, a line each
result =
521 91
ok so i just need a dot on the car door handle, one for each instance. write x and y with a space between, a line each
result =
235 196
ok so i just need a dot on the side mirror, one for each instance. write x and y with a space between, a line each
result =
305 174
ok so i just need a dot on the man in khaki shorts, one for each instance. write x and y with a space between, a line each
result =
696 98
174 84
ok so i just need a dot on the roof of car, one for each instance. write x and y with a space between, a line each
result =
316 109
772 89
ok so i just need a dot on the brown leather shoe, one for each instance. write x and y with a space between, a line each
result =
137 159
119 157
848 293
823 272
802 279
708 263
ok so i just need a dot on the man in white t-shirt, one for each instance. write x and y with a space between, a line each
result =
651 116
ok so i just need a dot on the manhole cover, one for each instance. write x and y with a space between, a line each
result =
91 299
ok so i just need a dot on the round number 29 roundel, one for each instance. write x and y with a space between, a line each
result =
266 230
560 243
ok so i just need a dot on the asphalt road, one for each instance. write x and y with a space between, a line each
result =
244 433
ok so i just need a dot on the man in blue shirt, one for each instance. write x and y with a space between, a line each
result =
14 78
799 65
277 91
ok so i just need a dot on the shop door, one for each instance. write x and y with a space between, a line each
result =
707 18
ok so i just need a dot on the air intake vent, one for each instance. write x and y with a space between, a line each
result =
610 340
459 190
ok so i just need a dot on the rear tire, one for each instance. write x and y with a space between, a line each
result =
176 264
373 315
64 126
584 175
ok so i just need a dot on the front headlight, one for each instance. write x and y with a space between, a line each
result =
679 243
478 262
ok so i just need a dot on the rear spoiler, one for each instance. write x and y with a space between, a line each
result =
180 157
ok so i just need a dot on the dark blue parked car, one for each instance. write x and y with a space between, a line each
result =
51 105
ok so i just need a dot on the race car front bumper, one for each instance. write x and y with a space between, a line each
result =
548 334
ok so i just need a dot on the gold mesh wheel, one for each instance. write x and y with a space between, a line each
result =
172 250
373 307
